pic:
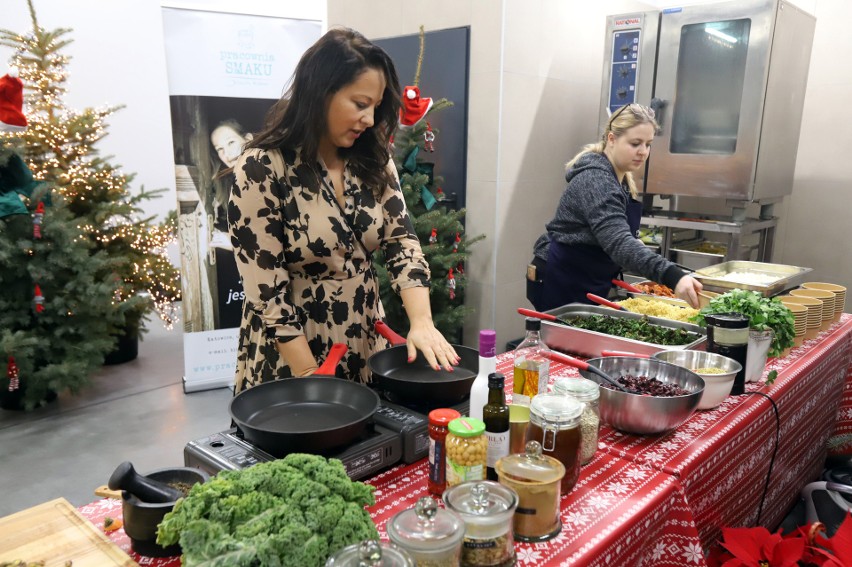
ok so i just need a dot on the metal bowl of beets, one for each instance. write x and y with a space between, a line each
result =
669 394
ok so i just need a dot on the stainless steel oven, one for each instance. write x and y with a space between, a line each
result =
727 83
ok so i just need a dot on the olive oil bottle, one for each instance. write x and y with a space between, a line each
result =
532 365
495 414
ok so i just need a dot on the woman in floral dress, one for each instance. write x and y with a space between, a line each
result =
316 193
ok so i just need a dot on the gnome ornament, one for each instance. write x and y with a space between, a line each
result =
12 117
414 108
433 238
39 299
12 374
429 139
38 218
451 284
456 242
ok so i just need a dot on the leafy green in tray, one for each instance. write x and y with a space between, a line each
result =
294 511
636 329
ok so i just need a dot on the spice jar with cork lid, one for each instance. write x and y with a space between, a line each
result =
487 509
431 535
536 479
555 424
588 393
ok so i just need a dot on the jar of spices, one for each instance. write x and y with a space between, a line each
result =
487 509
555 424
439 419
536 479
588 392
467 450
431 535
371 553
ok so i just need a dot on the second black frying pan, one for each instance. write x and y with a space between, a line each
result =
314 414
416 381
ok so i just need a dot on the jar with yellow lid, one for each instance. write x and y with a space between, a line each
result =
467 450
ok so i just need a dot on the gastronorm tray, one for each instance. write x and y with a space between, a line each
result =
590 343
788 277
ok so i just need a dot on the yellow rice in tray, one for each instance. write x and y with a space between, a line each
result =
658 309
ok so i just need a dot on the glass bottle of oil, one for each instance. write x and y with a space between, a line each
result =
532 365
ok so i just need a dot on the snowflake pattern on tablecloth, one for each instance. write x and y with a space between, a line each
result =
575 518
659 549
693 553
529 555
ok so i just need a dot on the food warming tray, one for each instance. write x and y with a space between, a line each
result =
787 277
590 343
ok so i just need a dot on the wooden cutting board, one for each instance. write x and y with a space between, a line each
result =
55 532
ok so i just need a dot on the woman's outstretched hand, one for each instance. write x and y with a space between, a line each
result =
423 336
687 289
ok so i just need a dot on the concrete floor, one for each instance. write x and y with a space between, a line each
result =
136 411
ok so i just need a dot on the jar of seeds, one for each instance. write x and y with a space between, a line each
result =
587 392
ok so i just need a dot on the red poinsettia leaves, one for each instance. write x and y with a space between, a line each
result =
840 544
745 543
784 552
751 546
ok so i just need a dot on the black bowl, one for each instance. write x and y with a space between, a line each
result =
142 518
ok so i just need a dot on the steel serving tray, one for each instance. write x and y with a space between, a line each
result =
788 277
590 343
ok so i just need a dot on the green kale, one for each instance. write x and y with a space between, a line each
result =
294 511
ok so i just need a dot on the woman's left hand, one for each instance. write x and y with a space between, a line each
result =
424 337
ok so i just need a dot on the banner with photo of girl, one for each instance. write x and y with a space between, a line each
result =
225 71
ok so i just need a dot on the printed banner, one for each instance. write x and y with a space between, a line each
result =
225 71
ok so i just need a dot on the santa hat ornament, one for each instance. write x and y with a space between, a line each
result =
12 117
414 107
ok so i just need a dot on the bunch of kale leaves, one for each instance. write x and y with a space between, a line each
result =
294 511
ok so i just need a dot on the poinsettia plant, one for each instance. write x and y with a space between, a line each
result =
804 547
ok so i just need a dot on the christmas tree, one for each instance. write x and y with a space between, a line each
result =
59 146
56 311
439 228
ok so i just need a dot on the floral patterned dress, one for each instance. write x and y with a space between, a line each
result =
304 263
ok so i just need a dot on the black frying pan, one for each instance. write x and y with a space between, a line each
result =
416 381
314 414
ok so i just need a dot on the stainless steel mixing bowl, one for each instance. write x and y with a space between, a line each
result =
644 415
716 386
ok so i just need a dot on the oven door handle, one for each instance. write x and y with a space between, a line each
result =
658 105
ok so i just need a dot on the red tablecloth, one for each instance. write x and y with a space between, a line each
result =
645 500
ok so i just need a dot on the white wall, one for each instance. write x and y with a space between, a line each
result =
118 58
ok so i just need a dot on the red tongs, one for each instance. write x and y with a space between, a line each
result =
624 285
605 302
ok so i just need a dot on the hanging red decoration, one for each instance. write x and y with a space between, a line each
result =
39 299
429 139
451 284
38 217
460 269
439 194
456 242
433 238
12 374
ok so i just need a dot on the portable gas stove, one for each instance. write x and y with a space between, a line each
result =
395 433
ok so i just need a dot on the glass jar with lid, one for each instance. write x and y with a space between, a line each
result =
536 479
555 424
371 553
487 509
431 535
727 334
589 393
467 450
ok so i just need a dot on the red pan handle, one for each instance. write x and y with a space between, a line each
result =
388 333
536 314
605 302
623 353
624 285
570 360
335 355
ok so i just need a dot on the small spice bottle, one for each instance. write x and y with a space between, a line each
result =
589 393
555 424
467 450
439 419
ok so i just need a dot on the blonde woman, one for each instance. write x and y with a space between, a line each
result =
592 237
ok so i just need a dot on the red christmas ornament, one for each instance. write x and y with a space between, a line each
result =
433 238
451 284
12 374
456 243
38 217
460 269
429 139
39 299
439 194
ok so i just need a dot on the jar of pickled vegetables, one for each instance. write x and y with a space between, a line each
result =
588 393
467 450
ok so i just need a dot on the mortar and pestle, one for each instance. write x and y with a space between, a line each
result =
145 499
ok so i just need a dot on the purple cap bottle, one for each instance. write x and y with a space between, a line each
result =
487 343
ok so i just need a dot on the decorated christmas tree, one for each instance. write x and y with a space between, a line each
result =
59 146
439 227
57 313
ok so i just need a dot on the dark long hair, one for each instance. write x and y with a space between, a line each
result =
299 118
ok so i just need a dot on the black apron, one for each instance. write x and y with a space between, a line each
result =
573 270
